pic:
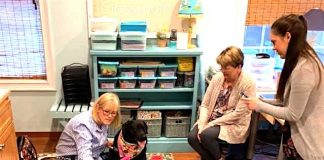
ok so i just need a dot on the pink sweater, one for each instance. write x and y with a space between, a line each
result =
234 124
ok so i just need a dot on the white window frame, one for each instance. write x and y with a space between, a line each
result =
32 84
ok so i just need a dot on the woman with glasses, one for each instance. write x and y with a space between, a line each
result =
222 114
85 135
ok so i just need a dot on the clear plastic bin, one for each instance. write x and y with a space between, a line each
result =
103 40
103 24
108 68
107 83
132 41
176 126
127 70
146 82
167 70
166 82
147 71
127 82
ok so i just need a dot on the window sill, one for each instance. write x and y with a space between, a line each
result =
27 85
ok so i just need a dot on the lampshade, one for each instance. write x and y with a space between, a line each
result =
190 8
315 19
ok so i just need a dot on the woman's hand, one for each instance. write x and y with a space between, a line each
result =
251 102
109 142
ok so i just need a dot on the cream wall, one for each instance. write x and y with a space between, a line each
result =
221 25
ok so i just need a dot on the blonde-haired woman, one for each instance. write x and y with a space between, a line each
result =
85 135
223 115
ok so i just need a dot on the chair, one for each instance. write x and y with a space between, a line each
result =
245 150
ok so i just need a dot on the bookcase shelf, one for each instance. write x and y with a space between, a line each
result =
174 99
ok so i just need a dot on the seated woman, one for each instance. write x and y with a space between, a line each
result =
85 135
223 115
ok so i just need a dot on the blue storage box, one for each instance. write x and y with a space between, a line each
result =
108 68
137 26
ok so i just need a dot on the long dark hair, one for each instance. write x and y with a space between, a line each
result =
298 47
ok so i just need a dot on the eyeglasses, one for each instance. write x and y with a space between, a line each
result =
108 112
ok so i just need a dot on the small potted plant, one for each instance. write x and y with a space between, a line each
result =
161 38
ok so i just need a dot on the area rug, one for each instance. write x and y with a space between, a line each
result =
150 156
159 156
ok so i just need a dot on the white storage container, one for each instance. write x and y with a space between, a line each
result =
133 40
103 40
102 24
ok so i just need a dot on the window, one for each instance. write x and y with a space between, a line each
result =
257 40
25 62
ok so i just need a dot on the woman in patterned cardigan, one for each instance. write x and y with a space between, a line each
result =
223 115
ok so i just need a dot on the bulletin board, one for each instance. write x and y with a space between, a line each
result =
160 14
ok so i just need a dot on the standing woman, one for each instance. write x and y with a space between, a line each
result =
222 113
85 135
300 89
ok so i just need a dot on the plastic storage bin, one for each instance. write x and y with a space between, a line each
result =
103 24
146 82
133 40
126 115
185 64
189 79
167 70
147 71
166 82
140 26
103 40
176 126
127 70
107 83
108 68
127 82
153 120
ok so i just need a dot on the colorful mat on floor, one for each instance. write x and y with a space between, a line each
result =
150 156
159 156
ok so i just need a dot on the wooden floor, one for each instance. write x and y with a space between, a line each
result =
46 143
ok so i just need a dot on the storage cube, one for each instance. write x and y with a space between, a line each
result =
127 70
133 40
139 26
108 68
107 83
176 126
166 82
147 71
103 24
103 40
153 120
126 115
167 70
127 82
146 82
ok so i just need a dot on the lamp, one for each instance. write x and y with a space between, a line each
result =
190 9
